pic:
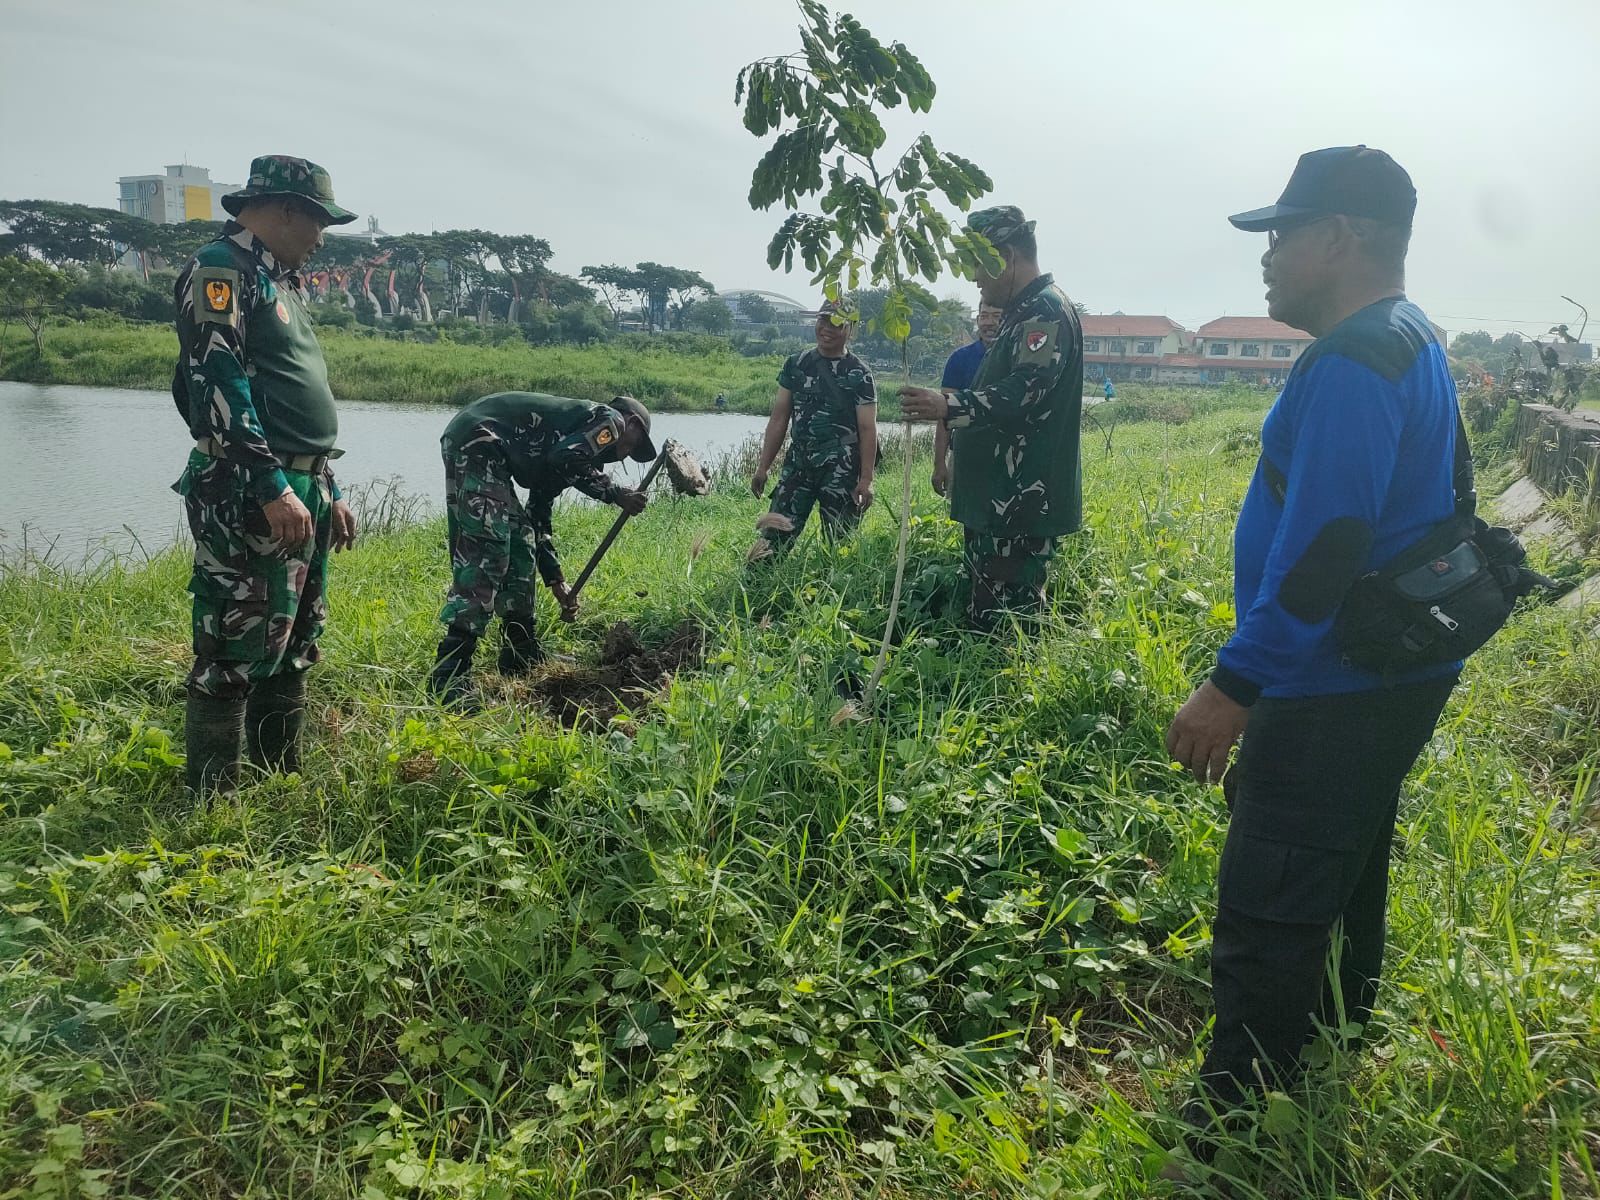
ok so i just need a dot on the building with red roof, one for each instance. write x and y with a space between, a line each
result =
1156 349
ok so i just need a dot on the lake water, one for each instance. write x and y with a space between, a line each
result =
89 470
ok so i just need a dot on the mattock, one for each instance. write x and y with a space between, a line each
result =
688 479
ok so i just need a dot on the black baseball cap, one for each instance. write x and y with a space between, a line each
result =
1353 180
629 407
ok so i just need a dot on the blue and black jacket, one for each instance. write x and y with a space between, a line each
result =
1357 456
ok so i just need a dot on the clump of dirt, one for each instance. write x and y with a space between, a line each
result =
627 675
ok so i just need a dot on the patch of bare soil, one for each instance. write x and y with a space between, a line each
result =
628 674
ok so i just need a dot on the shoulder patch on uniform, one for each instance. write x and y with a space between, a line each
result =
602 433
1038 339
215 293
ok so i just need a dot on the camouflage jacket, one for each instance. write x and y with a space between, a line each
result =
822 428
1014 432
547 444
249 364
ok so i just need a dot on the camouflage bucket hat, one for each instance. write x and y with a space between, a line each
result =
283 175
999 224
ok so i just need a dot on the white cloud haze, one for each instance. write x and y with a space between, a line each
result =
1128 131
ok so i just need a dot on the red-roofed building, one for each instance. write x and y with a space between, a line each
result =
1249 349
1154 349
1125 347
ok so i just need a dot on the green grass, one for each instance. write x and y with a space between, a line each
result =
112 353
728 946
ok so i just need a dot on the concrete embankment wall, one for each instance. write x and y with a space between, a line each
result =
1560 451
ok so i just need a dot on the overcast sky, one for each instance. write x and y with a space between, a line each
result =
1128 130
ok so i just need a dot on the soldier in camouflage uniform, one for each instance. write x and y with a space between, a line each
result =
1016 482
828 406
260 497
547 444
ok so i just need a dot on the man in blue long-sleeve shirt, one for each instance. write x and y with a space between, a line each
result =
960 369
1356 464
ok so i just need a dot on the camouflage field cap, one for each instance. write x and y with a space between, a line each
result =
999 224
844 308
284 175
645 451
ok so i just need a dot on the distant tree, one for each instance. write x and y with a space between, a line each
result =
126 293
176 244
758 309
713 315
656 284
1497 355
525 261
75 234
29 290
688 288
342 253
949 325
408 256
681 313
562 290
614 284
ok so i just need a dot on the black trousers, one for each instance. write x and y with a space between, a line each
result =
1313 797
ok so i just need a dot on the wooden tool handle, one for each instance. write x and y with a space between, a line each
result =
611 534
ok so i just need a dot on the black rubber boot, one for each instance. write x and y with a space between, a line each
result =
273 718
212 730
520 651
451 679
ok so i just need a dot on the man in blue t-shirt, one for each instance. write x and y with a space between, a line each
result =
960 369
1356 464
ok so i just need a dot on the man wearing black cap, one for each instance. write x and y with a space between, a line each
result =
547 444
1016 484
260 496
1356 464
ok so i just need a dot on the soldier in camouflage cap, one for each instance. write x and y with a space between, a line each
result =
1001 224
259 493
828 406
1016 482
497 544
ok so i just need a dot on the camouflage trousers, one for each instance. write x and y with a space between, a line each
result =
828 487
1008 576
258 609
492 544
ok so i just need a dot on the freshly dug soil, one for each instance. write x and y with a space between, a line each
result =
628 674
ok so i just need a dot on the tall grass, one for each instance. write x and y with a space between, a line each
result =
112 353
730 945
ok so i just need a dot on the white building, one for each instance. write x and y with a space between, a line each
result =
184 193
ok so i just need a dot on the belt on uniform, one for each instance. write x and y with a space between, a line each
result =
311 464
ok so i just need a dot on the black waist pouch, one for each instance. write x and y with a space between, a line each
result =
1442 597
1439 599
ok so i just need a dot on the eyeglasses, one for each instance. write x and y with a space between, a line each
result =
1274 236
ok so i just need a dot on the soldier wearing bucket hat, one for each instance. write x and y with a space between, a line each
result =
259 493
1015 482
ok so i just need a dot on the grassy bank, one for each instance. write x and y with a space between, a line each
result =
109 353
724 944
